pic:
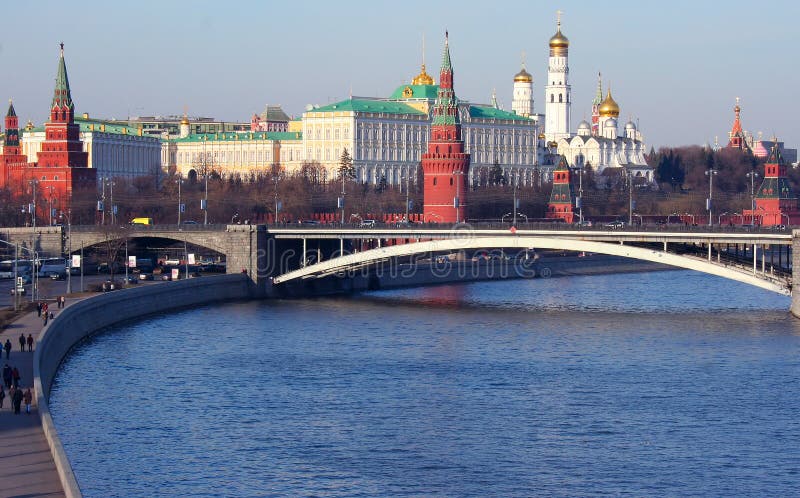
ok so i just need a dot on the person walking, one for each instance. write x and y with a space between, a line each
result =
15 377
28 398
7 347
2 396
39 308
44 319
17 399
11 396
7 376
30 343
22 342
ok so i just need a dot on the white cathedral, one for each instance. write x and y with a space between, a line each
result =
598 145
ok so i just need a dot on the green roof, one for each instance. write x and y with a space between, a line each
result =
427 92
775 188
241 137
373 106
487 112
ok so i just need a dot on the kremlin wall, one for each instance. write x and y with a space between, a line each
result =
421 125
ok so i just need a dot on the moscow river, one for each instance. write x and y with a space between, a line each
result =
650 384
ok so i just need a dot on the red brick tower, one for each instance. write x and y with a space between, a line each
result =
445 165
775 202
560 205
12 157
61 173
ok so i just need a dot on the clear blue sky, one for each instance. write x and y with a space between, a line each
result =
675 66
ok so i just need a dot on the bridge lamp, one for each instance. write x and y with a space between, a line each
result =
710 174
752 176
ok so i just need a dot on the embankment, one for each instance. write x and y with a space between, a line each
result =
82 319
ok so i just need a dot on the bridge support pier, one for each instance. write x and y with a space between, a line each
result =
795 309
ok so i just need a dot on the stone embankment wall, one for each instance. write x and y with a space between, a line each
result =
82 319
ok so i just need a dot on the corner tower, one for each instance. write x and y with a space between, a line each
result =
736 138
560 205
445 165
557 92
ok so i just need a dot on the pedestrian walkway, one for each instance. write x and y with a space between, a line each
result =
26 464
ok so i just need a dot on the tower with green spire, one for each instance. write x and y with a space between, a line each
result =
62 145
11 142
598 99
445 165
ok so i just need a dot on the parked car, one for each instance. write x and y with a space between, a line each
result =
58 275
584 223
615 224
368 223
145 276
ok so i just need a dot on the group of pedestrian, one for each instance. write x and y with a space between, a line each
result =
16 395
61 301
42 309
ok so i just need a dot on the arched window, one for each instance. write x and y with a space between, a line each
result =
560 97
434 181
451 182
552 97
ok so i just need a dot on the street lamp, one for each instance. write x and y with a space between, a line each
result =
33 211
719 218
752 176
631 204
179 181
710 174
515 179
67 215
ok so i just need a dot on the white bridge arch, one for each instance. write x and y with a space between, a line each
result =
365 258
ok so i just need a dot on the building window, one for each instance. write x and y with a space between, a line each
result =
552 97
560 98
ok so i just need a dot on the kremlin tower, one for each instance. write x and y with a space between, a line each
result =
560 205
61 173
445 165
522 103
775 204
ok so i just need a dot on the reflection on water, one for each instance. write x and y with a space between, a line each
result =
669 383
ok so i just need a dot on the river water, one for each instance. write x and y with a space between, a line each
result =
657 384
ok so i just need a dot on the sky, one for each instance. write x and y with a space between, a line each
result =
675 67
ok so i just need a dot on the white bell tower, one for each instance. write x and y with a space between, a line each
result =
522 103
557 92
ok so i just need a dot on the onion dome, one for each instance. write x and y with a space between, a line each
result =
609 108
630 126
523 77
542 136
584 128
185 120
559 40
423 78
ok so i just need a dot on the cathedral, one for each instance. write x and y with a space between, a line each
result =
598 145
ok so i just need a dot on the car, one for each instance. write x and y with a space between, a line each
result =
190 222
131 280
58 275
145 276
19 290
368 223
779 227
615 224
584 223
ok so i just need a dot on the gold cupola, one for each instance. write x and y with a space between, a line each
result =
559 44
523 76
423 78
609 107
185 120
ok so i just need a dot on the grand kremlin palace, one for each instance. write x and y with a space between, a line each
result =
384 136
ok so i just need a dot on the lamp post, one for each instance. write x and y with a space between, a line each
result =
113 207
630 198
515 180
579 200
68 217
205 175
179 181
102 205
33 211
719 218
752 176
710 174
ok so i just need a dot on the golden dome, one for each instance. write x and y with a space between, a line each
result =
559 40
609 108
542 136
523 76
423 78
185 120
